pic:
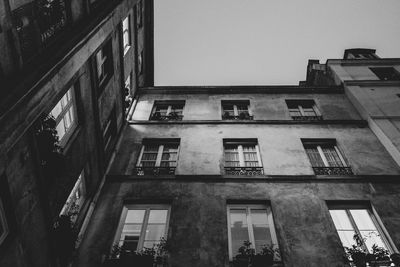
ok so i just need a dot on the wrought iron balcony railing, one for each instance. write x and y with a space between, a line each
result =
333 171
244 171
171 117
141 171
241 116
307 118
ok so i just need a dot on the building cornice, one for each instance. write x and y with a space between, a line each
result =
370 83
363 62
359 123
267 89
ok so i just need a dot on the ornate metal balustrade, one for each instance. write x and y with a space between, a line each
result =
154 171
307 118
244 171
333 171
241 116
171 117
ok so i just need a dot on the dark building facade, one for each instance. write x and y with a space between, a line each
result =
69 72
97 162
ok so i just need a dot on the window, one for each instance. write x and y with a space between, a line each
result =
360 221
236 110
301 109
139 14
158 156
242 157
109 132
325 157
64 114
386 73
104 64
4 230
128 95
142 226
253 223
75 199
126 33
167 110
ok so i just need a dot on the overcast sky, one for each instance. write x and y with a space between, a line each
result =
265 42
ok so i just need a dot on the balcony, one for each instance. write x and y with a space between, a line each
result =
169 117
154 171
307 118
244 171
242 116
340 171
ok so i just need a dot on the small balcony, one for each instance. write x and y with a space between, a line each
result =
340 171
154 171
170 117
307 118
244 171
242 116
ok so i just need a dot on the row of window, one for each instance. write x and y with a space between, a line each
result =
299 109
242 157
142 226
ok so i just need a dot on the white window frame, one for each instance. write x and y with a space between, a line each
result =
169 109
146 207
71 104
4 224
250 230
375 220
126 31
242 162
235 104
80 182
100 63
301 109
324 160
159 154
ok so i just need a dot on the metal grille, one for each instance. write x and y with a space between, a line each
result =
244 171
333 171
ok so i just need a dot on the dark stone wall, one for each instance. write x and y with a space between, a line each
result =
198 224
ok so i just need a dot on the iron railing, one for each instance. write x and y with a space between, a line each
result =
244 171
307 118
171 117
333 171
241 116
141 171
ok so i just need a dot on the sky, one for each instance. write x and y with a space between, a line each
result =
264 42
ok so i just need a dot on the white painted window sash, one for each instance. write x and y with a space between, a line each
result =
301 110
241 156
235 110
340 156
258 155
169 110
159 155
321 153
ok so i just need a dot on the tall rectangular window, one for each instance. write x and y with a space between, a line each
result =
167 110
104 65
126 33
303 109
64 113
386 73
236 110
75 199
252 223
158 156
325 157
358 221
242 157
142 226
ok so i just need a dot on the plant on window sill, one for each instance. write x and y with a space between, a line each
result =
245 254
50 152
266 257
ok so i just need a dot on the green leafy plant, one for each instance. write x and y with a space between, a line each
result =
357 253
246 249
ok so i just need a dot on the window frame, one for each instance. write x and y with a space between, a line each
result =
160 152
107 64
377 71
64 110
248 207
147 208
235 104
240 144
330 142
126 46
300 107
170 104
385 238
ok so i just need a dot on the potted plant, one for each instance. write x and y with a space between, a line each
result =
161 255
226 115
395 257
244 116
245 254
265 258
378 257
145 258
357 252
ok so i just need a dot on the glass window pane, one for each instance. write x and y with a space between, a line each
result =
363 220
135 216
315 157
347 238
129 242
332 157
372 238
239 231
154 232
60 129
149 156
262 232
158 216
56 110
151 148
341 220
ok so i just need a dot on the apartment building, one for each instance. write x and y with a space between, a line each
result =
69 71
208 168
